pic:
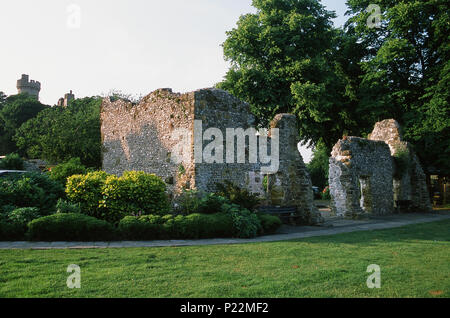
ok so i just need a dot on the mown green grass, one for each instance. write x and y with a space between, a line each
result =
414 260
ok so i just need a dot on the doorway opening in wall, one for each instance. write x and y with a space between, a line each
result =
365 193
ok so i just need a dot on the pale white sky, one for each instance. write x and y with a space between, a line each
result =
135 46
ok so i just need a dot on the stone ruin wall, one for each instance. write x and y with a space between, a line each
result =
411 186
141 137
219 109
138 137
364 177
291 185
360 178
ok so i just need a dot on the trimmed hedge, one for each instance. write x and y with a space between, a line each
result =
79 227
11 231
193 226
270 223
70 227
198 226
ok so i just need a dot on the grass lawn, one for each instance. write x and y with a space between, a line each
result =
414 260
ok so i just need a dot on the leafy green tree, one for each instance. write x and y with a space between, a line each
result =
61 133
407 71
319 166
287 57
67 169
14 111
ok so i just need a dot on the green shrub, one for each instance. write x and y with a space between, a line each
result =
31 190
193 226
237 195
66 207
6 209
270 223
133 193
86 190
11 162
148 227
211 203
70 227
111 198
62 171
245 223
11 231
217 225
23 216
188 202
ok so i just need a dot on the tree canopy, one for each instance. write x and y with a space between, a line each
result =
14 111
288 57
58 134
406 71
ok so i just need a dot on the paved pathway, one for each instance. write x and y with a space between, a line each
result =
331 227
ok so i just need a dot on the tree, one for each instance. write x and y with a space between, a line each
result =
287 57
61 133
14 111
407 71
319 166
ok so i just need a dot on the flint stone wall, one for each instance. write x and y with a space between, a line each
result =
411 184
219 109
291 185
360 178
138 137
141 137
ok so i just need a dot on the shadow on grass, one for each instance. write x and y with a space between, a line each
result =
435 231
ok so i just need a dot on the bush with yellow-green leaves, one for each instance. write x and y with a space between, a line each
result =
111 198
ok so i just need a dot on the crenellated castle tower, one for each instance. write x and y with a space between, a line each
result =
24 85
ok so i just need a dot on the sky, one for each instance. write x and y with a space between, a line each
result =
135 46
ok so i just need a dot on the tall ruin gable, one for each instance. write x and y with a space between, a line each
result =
291 185
409 180
360 178
137 137
373 175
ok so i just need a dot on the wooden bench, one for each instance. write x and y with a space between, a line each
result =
403 205
286 214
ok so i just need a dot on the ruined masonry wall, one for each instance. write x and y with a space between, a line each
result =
410 186
219 109
292 186
138 137
361 178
